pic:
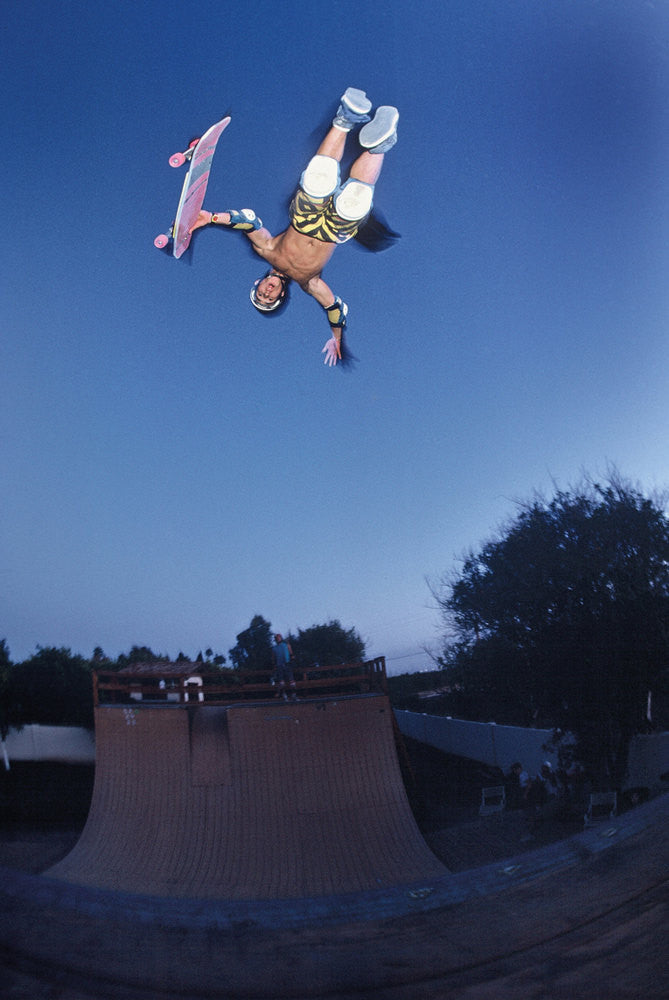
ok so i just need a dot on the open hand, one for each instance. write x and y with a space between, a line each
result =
332 352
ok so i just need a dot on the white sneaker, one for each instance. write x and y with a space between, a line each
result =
353 110
380 135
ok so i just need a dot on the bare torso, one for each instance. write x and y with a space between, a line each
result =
300 257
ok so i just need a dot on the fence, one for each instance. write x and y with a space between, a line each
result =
169 683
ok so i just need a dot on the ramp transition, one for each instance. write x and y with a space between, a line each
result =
248 801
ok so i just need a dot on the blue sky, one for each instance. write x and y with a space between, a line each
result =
173 463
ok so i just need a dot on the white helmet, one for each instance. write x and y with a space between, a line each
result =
267 307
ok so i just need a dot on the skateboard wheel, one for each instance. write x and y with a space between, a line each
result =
161 241
193 143
177 160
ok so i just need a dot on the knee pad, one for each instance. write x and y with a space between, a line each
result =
321 177
354 201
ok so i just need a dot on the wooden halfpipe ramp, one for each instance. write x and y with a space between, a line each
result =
250 801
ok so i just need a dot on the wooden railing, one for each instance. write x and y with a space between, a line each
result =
198 683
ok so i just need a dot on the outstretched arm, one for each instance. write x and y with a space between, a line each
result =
336 311
203 219
245 220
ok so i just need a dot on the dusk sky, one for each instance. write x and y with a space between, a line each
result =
172 462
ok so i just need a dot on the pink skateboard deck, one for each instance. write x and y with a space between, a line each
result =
194 188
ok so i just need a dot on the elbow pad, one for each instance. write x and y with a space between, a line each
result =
244 220
337 313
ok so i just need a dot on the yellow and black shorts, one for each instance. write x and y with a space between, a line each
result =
317 217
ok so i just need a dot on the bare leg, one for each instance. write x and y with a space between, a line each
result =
367 167
333 144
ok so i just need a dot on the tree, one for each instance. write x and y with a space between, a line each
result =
254 646
140 654
210 658
53 688
324 645
565 618
327 645
7 706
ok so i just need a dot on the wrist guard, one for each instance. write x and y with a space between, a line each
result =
244 220
337 313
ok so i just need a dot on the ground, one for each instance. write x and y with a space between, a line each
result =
573 945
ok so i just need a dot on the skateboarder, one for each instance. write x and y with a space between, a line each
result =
323 214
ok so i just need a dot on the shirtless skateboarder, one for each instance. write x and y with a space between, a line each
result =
323 214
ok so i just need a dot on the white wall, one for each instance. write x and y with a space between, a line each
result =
61 744
500 746
649 758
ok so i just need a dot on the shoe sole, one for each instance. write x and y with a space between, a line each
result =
357 101
382 126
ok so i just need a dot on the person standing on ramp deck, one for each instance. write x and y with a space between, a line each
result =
283 655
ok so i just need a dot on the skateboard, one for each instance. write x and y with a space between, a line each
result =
199 155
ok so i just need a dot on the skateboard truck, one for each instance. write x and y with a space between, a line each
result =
162 240
178 159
